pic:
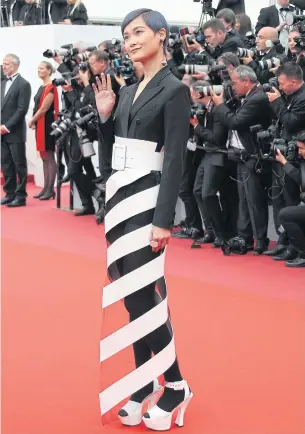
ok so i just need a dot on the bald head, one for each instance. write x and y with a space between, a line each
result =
265 34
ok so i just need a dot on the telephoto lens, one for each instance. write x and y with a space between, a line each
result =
193 69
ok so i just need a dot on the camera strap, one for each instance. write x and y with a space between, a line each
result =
303 177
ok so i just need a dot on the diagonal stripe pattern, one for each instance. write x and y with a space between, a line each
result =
134 281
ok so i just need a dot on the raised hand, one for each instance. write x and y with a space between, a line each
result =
104 96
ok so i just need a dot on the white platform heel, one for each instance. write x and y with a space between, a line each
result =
160 420
132 412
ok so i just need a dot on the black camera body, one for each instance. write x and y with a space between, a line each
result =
270 142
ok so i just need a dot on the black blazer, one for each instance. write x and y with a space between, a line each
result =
79 15
230 45
300 4
263 76
290 111
254 110
58 9
214 135
14 107
269 17
161 114
237 6
33 15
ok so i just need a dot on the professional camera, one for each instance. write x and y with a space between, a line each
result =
174 41
236 245
123 66
270 142
268 87
300 41
297 20
63 124
249 40
244 52
84 66
199 112
199 69
268 64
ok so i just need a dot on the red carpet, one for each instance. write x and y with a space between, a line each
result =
239 323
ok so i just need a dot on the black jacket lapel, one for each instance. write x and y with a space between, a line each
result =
125 108
13 86
151 90
3 83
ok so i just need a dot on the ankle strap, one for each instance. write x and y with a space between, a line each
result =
177 385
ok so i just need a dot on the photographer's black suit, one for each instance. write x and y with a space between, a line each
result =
213 176
229 45
269 17
263 76
77 162
290 110
237 6
14 107
253 208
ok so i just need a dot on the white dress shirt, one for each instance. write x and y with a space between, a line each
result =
10 81
283 37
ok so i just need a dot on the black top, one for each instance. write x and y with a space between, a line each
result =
290 110
160 114
269 17
78 16
254 110
49 119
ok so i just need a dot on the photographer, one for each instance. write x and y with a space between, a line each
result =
217 38
292 218
289 108
253 109
266 51
296 49
228 19
73 98
212 171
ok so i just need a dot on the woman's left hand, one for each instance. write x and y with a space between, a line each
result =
159 238
67 21
31 124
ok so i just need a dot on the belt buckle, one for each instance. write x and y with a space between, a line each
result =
119 157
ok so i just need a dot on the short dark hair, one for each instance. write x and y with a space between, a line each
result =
227 15
108 45
230 59
215 24
301 137
153 19
200 83
291 70
101 56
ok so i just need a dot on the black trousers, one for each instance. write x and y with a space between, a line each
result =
188 195
229 200
82 181
105 146
14 164
220 210
285 193
292 219
253 203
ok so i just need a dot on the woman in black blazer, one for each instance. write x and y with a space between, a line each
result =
76 13
152 115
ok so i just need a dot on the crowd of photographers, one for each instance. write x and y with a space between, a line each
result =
246 145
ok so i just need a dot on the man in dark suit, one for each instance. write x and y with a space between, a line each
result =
275 16
217 38
237 6
289 108
265 51
254 109
15 101
56 10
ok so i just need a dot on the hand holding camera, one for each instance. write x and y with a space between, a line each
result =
280 157
273 95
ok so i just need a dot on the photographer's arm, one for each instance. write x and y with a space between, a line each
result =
292 171
292 120
216 136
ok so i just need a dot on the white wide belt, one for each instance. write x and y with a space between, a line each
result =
136 154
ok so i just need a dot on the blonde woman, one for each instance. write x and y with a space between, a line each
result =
44 114
76 13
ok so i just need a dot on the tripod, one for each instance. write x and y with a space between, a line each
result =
207 12
4 15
